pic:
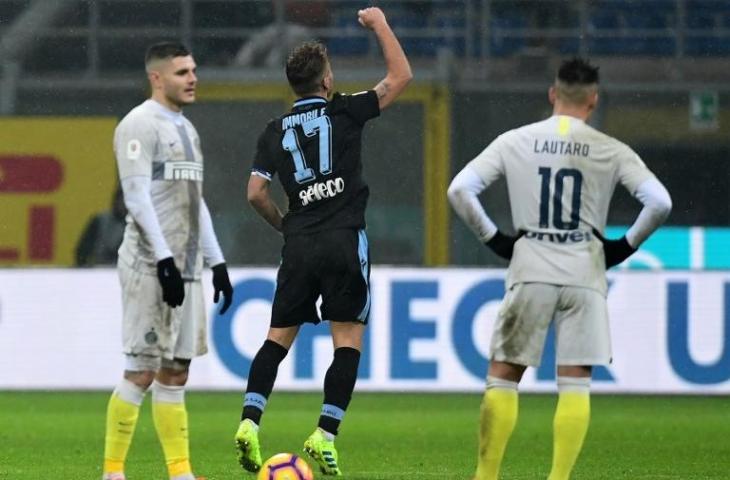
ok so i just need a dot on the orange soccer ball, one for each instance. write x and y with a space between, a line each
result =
285 466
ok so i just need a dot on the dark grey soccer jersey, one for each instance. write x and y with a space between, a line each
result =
316 150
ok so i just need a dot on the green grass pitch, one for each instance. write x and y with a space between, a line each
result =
385 436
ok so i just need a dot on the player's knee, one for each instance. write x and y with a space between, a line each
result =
172 377
283 336
141 369
506 371
574 370
348 334
174 372
142 379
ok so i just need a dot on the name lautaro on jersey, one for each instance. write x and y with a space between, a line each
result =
300 118
321 190
561 147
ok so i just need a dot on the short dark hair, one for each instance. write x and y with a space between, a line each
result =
577 71
577 81
305 67
164 50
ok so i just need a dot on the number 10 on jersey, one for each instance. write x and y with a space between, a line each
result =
558 187
317 126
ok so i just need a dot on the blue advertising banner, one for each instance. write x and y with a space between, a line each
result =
680 248
429 330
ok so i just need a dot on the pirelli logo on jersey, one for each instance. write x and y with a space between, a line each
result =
184 171
321 190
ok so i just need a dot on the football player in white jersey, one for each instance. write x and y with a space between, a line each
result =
561 174
169 235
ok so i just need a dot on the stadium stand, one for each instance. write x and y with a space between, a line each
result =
103 34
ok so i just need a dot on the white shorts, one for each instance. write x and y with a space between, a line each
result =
150 327
582 333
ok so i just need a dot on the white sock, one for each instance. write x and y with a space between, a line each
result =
255 425
496 382
187 476
330 437
129 392
113 476
574 384
167 393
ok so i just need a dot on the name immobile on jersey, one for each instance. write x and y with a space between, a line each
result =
300 118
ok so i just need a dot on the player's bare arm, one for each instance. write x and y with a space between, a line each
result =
399 70
260 199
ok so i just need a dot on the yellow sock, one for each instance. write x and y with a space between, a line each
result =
121 419
498 419
171 422
569 427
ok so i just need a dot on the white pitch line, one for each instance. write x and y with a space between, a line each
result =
420 474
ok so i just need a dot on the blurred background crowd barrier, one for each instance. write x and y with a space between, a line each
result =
71 69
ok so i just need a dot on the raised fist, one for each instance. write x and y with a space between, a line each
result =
371 17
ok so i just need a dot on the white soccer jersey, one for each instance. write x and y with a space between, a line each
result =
561 174
163 145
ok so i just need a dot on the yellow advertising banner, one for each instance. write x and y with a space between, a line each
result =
55 174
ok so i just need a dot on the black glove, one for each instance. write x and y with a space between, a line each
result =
503 245
173 289
222 284
614 251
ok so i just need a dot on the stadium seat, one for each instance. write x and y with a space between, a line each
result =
714 6
451 30
500 44
353 41
707 46
413 45
704 18
642 21
657 23
604 21
149 14
569 45
700 19
617 21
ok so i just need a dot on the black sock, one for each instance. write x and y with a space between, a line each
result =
261 379
339 382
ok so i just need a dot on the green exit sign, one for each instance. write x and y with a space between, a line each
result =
704 107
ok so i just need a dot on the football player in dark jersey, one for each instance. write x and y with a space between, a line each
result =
315 149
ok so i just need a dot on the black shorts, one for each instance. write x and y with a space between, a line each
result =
333 264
